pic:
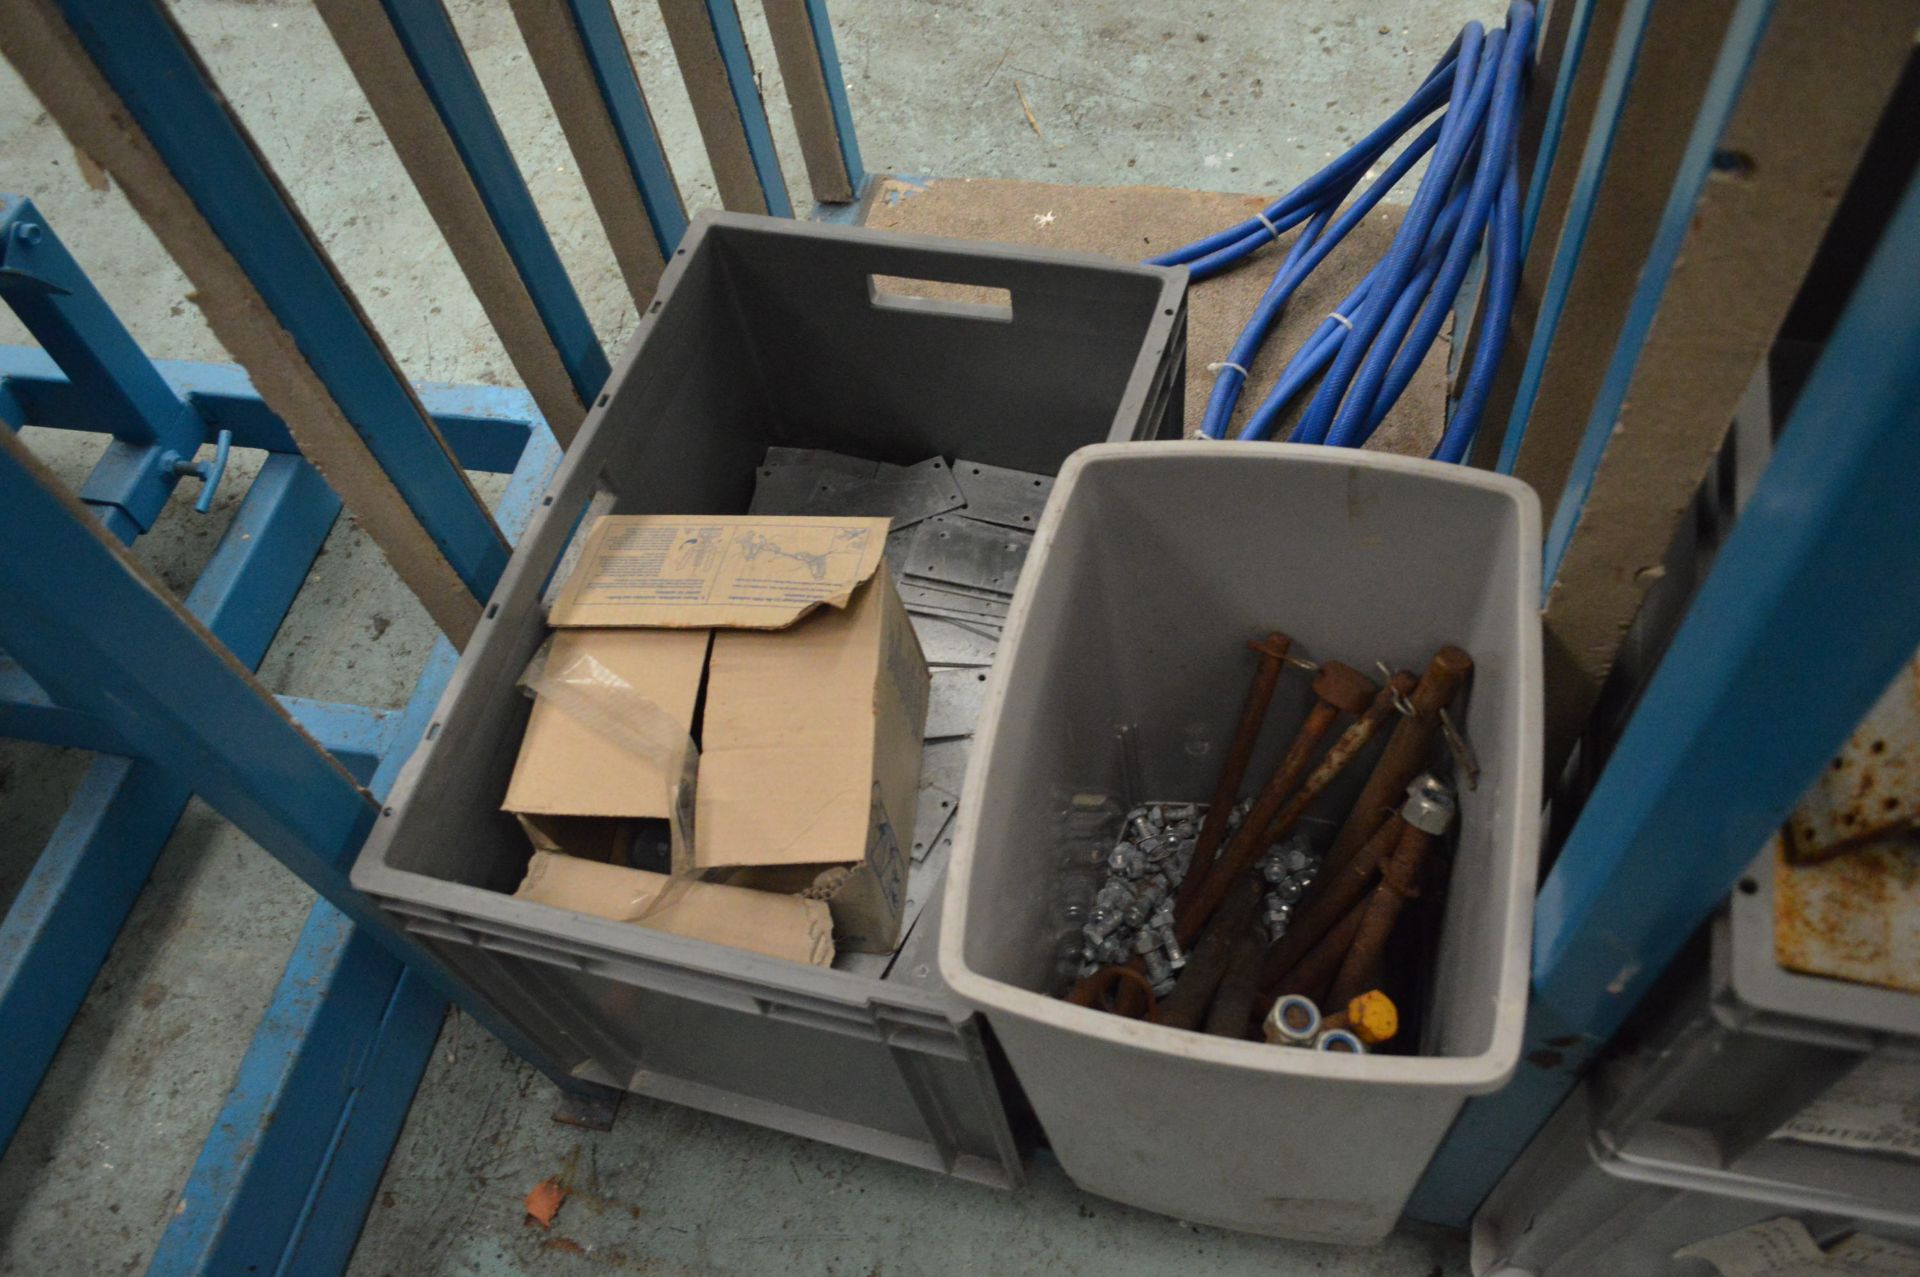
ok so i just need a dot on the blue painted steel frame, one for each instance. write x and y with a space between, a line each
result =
1744 32
151 426
292 1162
606 49
724 20
1550 139
1597 147
1812 605
837 95
486 426
294 1159
439 59
166 90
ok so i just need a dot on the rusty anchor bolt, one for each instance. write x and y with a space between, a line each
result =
1427 814
1338 689
1272 652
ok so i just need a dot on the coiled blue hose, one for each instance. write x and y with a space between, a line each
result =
1366 353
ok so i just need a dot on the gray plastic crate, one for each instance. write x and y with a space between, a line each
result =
1564 1210
1694 1095
768 332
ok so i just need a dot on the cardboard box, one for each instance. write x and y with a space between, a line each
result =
578 790
815 700
789 927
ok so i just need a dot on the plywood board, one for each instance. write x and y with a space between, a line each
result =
1718 315
420 138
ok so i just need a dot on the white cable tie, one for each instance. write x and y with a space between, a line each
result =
1271 228
1341 319
1216 367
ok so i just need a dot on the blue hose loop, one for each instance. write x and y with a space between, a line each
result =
1274 301
1462 243
1366 353
1334 415
1252 233
1503 279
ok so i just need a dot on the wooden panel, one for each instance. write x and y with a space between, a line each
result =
1810 102
1582 94
43 49
379 62
1677 54
810 98
723 127
559 55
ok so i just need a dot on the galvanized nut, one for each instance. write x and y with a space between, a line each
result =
1343 1041
1430 805
1293 1020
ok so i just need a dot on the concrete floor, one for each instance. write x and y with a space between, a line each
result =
1175 94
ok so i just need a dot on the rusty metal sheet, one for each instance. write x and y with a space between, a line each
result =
1854 917
1871 790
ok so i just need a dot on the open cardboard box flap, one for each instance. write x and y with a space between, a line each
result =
741 572
811 730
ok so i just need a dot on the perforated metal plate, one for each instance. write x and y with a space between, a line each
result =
1011 498
954 702
945 641
789 489
858 467
905 494
936 601
965 552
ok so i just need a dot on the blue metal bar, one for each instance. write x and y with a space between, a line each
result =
355 735
1812 605
1586 189
441 62
320 1045
358 737
1744 32
1576 46
606 51
98 636
53 297
169 97
151 427
295 1156
68 912
486 426
722 22
837 94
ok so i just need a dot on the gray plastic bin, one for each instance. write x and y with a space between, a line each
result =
764 332
1692 1095
1120 679
1564 1210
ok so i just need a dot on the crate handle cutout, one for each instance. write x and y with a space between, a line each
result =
940 297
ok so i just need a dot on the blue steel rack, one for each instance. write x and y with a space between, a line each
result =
1756 687
325 1085
164 692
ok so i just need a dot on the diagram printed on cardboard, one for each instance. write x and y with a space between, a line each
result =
803 547
720 570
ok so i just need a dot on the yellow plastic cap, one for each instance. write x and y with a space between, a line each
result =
1373 1017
